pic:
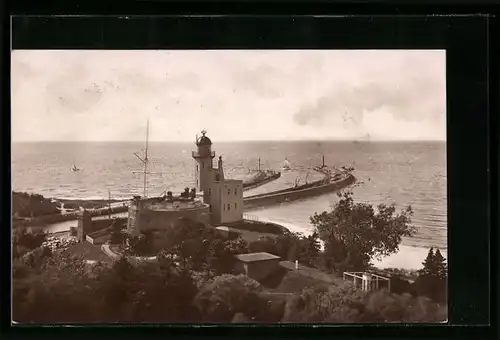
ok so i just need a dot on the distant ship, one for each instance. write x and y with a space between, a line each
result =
286 165
74 168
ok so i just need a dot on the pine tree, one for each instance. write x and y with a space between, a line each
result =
440 265
432 277
429 267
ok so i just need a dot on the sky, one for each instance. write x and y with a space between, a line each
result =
85 95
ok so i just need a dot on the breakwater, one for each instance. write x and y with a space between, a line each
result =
322 186
55 218
291 194
261 179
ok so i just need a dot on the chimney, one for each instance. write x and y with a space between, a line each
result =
220 168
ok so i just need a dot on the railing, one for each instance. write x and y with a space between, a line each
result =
203 154
251 217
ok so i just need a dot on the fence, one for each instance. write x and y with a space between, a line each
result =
251 217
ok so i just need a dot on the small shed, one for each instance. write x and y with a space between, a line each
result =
257 266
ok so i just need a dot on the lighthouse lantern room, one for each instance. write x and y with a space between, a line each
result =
204 157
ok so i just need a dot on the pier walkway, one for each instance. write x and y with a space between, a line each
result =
287 180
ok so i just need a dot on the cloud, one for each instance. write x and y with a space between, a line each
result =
95 95
406 98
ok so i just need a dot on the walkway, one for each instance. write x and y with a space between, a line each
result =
287 180
105 248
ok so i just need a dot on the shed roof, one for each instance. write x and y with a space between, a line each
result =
255 257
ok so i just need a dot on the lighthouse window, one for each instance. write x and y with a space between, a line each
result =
235 191
228 207
228 192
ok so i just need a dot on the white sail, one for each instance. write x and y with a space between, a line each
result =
286 165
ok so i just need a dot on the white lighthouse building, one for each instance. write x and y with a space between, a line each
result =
225 196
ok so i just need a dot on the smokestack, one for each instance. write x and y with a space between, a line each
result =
221 170
323 160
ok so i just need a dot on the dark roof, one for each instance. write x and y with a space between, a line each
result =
255 257
203 140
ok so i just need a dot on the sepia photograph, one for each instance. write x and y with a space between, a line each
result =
229 186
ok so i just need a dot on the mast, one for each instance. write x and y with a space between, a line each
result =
109 203
145 162
259 164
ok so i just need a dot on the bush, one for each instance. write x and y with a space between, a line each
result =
25 241
31 205
389 307
224 296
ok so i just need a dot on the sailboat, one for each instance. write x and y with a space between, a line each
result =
286 165
74 168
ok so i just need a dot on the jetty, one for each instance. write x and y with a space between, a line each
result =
260 177
328 184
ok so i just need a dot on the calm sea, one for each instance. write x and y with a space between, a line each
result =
405 173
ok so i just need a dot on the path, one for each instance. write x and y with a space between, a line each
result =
287 180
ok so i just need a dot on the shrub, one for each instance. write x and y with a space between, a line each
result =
224 296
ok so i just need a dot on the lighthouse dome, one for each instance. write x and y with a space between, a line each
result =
203 140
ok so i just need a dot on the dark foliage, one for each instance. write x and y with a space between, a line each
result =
123 292
24 241
432 281
31 205
290 246
354 233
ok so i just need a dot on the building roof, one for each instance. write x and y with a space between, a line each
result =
256 257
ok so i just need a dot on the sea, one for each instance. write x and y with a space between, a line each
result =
403 173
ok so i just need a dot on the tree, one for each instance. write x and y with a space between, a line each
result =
354 233
24 241
221 254
384 306
429 266
117 235
198 247
224 296
432 279
440 265
338 304
308 249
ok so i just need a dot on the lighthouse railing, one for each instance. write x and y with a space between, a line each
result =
203 154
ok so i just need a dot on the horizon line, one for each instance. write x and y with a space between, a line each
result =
231 141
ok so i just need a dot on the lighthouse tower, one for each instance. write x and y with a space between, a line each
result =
203 156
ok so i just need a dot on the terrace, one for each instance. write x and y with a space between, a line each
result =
174 205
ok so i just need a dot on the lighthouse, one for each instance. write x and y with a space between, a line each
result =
204 157
225 196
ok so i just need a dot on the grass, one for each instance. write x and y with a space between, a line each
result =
88 251
285 281
259 227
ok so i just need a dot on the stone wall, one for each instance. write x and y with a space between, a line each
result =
163 219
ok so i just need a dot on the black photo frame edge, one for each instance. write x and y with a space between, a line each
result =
469 138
